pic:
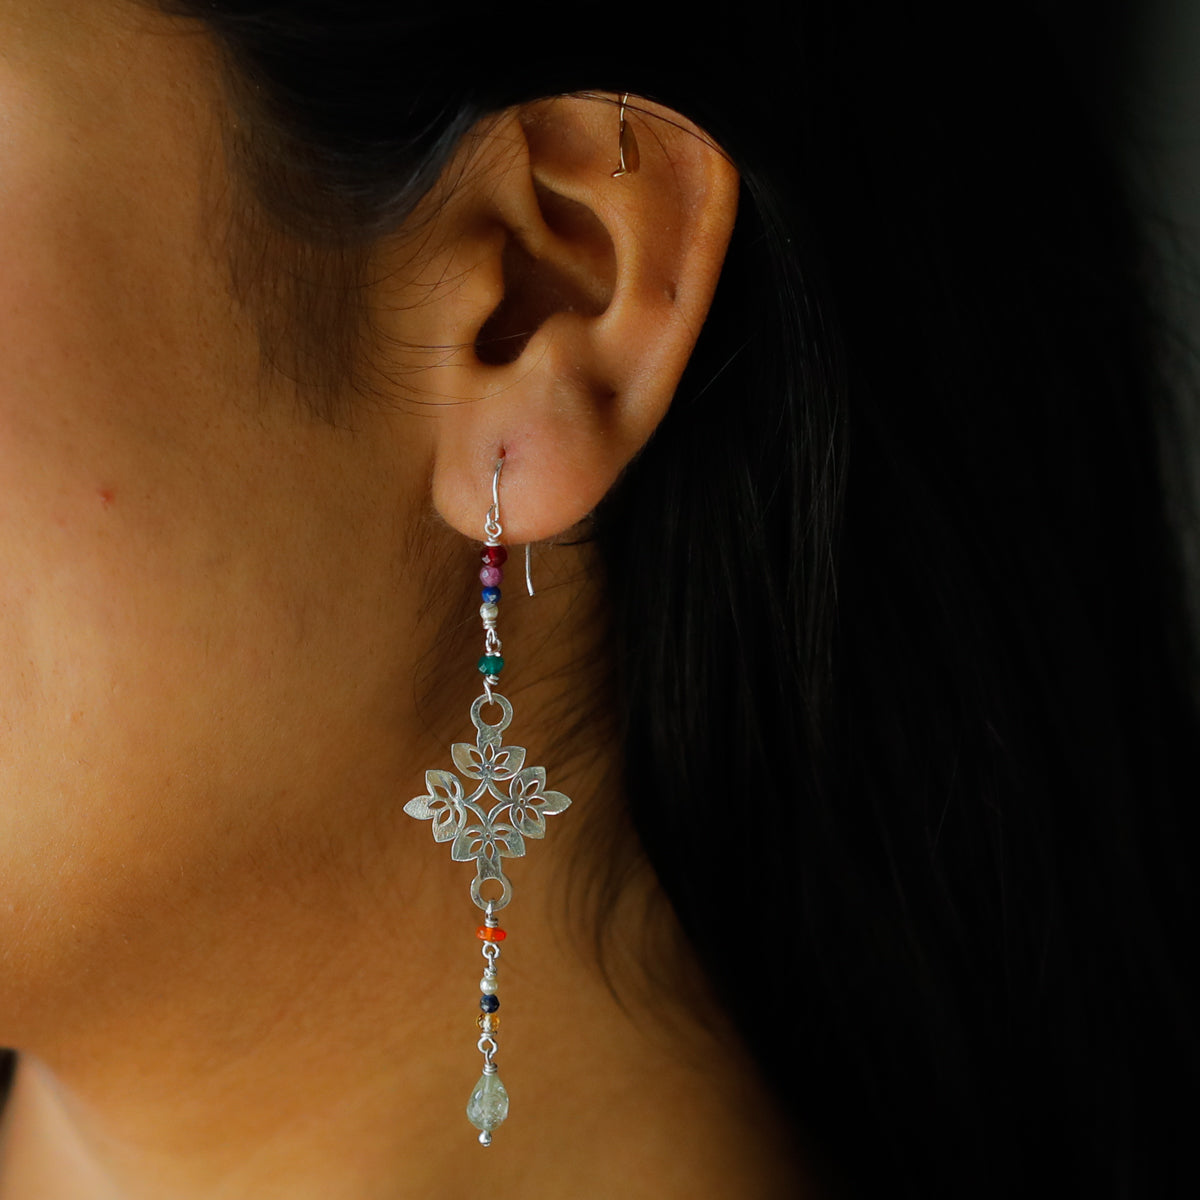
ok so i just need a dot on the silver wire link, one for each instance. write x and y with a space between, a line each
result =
492 526
495 530
490 951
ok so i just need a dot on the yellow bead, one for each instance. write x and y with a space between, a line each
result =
488 1022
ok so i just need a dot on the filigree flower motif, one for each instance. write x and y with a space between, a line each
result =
487 841
489 762
530 804
443 804
479 835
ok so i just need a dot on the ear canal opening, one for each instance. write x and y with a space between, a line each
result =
581 281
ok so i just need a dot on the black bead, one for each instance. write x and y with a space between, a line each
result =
489 1003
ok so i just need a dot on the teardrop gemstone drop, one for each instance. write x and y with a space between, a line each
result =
488 1105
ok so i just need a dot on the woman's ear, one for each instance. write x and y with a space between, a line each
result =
548 307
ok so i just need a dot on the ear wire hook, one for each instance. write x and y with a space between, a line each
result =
495 530
492 526
627 148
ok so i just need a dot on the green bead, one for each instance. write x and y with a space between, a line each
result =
491 664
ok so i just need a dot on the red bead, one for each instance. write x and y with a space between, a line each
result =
494 556
486 934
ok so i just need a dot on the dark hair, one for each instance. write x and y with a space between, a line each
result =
904 674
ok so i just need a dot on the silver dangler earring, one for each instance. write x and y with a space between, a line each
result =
487 837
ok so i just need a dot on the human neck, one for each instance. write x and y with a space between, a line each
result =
316 1113
314 1033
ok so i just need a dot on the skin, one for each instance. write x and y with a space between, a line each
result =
233 966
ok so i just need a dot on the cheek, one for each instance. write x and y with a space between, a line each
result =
145 628
180 696
109 166
114 319
200 591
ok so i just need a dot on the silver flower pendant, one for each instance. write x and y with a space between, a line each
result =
488 835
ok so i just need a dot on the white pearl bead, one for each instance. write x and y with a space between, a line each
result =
487 985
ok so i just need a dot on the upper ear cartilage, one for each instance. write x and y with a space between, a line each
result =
627 147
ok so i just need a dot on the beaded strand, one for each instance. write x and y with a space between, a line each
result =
491 575
488 1106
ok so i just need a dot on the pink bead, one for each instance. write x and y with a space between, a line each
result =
491 576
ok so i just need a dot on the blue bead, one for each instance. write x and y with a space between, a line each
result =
489 1003
491 595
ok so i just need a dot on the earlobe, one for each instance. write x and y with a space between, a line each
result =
568 299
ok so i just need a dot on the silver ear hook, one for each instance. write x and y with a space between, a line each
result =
627 147
495 530
492 526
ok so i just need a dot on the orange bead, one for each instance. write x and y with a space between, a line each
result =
486 934
488 1022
